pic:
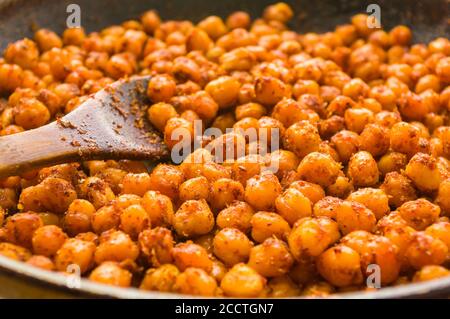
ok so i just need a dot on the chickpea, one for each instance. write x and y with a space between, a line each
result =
311 236
442 70
188 254
30 113
236 215
133 220
224 90
150 21
161 88
289 112
354 216
442 198
41 262
97 191
75 251
375 139
340 265
363 169
271 258
156 245
242 281
193 218
110 273
424 250
120 65
105 218
266 224
430 272
293 205
302 138
346 144
423 171
319 168
232 246
194 281
270 90
11 77
19 228
14 252
47 240
419 213
372 198
327 207
262 190
115 245
166 179
280 12
399 189
223 192
284 161
159 208
46 40
194 189
24 53
238 19
252 110
392 162
400 35
198 40
439 230
321 289
162 278
73 36
282 287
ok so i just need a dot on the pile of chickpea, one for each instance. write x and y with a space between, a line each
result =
364 175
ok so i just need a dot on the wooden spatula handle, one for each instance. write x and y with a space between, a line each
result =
36 148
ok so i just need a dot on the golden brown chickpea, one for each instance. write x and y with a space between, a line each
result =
30 113
372 198
375 139
420 213
46 40
224 90
193 218
11 76
440 230
271 258
75 252
282 287
270 90
150 21
195 281
137 184
242 281
188 254
89 236
160 279
133 220
311 236
262 190
399 189
392 162
110 273
422 169
302 138
159 208
232 246
270 130
166 179
223 192
23 52
346 144
400 35
280 12
357 118
327 207
41 262
236 215
443 69
293 205
238 19
73 36
213 26
198 40
224 121
405 138
425 250
195 188
283 161
105 218
430 272
340 265
47 240
319 168
321 289
19 228
115 245
288 112
363 169
161 88
442 198
266 224
352 216
120 65
97 191
156 245
14 252
250 110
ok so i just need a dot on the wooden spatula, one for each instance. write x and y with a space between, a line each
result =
109 125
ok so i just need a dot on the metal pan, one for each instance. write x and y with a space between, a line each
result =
18 18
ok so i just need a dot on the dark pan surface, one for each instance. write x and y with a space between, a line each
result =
18 18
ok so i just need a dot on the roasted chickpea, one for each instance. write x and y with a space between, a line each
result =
224 191
422 169
115 246
363 169
232 246
242 281
439 230
19 228
195 188
188 254
238 19
372 198
424 250
78 217
352 216
319 168
193 218
162 278
346 144
41 262
110 273
75 252
31 113
237 215
194 281
262 190
47 39
133 220
166 179
302 138
47 240
266 224
293 205
271 258
419 213
270 90
374 139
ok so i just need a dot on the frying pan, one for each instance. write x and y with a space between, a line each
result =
18 18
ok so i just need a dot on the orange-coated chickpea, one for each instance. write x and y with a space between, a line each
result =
188 254
262 190
115 245
236 215
363 169
271 258
47 240
156 245
293 205
110 273
242 281
193 218
232 246
75 252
